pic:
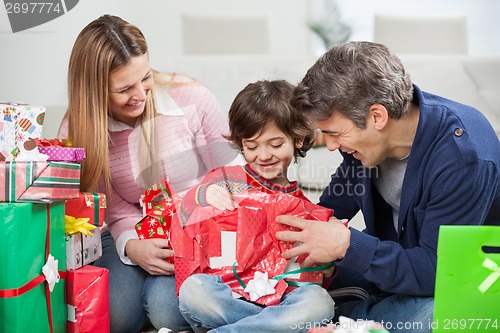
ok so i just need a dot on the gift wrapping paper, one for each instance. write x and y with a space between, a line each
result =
88 300
89 205
159 210
257 249
39 181
82 250
20 126
31 231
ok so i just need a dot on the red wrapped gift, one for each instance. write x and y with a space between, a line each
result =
257 249
91 205
159 210
88 300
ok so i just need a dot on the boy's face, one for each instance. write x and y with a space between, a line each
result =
269 153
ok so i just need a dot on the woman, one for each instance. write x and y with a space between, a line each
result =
138 126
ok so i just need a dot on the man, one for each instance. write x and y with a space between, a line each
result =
413 161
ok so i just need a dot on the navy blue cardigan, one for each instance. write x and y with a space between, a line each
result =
452 178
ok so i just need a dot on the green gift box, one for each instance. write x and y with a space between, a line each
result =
29 233
467 297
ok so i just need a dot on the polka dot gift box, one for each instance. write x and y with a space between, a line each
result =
60 150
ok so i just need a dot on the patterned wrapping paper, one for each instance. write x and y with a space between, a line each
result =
31 231
91 205
68 154
82 250
20 126
159 210
87 295
39 181
257 249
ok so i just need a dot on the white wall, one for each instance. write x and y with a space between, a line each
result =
33 63
483 18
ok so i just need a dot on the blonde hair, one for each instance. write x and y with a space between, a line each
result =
104 46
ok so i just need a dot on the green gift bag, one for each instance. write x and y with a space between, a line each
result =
467 297
28 233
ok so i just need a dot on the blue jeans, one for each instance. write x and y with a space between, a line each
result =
206 302
136 296
398 313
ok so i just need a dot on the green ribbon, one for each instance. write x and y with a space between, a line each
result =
284 275
96 209
495 274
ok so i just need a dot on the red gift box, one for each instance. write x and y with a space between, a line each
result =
159 209
87 295
257 249
88 205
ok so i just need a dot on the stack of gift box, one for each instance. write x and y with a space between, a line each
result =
43 272
87 286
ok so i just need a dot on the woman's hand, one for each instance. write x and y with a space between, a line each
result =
150 254
220 198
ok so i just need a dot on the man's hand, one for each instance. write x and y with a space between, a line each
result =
324 242
150 254
219 197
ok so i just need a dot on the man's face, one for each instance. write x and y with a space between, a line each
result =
366 145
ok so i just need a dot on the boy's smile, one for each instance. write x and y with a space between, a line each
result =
270 153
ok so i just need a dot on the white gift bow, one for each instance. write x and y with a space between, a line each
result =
260 286
50 271
495 274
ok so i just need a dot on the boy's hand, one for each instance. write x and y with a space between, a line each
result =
220 198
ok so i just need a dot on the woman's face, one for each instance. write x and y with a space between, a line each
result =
128 88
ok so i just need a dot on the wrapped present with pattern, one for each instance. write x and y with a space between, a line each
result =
33 261
82 248
158 204
90 205
60 150
87 295
241 245
35 181
20 126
